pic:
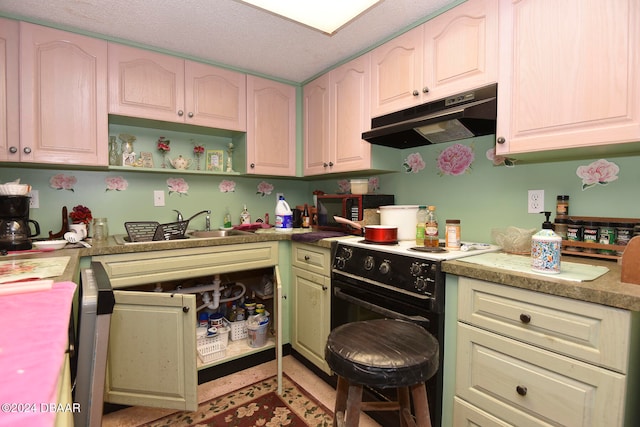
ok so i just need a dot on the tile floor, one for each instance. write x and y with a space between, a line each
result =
135 416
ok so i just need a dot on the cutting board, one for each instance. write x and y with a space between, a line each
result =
14 270
522 264
631 262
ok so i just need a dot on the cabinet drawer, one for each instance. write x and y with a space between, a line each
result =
528 386
311 258
589 332
467 415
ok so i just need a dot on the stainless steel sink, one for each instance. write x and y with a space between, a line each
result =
213 234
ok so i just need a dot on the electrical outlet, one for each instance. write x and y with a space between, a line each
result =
535 201
158 198
34 202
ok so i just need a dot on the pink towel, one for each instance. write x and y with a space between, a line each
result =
34 334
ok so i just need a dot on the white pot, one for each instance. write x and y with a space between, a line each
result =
401 216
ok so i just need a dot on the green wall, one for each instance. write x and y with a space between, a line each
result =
483 198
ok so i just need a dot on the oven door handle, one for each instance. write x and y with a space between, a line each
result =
380 310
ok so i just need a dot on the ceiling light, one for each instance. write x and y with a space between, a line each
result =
325 15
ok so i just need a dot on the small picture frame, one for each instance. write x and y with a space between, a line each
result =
147 159
215 160
128 159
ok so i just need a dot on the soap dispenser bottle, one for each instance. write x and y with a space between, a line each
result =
546 246
245 217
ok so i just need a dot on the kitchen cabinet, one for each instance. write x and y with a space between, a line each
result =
151 359
526 358
154 86
63 98
575 86
454 52
9 96
311 293
336 112
271 129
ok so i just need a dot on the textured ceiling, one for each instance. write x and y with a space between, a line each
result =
228 32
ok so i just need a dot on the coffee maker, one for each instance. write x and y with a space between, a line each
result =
15 230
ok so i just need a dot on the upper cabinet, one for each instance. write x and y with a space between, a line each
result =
451 53
336 112
160 87
63 98
271 130
568 74
9 104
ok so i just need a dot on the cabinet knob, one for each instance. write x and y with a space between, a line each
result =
330 164
525 318
13 150
180 113
521 390
27 150
425 89
252 165
324 288
185 309
501 140
415 93
307 258
325 164
190 114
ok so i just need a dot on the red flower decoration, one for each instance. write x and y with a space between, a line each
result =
81 215
163 144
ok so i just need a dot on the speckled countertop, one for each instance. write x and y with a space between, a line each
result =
605 290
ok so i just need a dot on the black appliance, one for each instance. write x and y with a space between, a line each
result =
349 206
465 115
15 231
371 281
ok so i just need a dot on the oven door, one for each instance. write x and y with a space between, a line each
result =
353 303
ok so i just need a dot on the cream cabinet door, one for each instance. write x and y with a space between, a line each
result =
316 105
63 97
9 91
311 316
568 74
145 84
271 129
461 48
151 359
396 73
350 116
215 97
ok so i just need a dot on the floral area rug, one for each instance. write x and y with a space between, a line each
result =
256 405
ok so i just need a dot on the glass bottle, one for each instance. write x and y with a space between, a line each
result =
421 219
114 156
431 228
305 216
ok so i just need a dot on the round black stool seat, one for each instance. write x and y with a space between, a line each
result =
383 353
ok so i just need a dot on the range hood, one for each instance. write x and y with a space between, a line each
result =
465 115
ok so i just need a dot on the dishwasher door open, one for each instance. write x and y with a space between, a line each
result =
96 302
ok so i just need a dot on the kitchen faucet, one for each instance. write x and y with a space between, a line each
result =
207 220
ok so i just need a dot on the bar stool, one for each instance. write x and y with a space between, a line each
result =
382 353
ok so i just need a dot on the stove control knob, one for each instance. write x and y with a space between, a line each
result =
420 284
340 263
347 253
369 263
416 268
385 267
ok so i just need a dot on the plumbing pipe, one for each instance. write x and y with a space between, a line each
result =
214 306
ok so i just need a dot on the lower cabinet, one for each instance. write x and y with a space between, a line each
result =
530 359
311 291
152 356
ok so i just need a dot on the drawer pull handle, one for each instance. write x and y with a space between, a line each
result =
307 257
521 390
525 318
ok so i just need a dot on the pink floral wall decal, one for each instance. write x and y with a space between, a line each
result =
344 186
500 160
63 182
227 186
599 172
455 160
116 183
264 188
413 163
178 185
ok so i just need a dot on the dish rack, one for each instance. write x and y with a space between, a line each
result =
147 231
215 347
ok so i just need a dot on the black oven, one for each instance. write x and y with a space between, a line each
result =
370 284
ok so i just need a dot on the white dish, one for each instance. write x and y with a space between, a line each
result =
50 244
226 228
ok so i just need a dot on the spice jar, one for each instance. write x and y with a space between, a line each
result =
452 234
574 234
562 205
606 236
624 233
590 235
561 227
